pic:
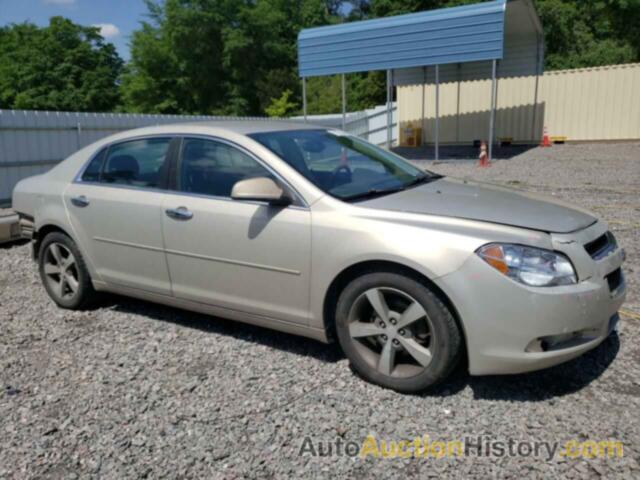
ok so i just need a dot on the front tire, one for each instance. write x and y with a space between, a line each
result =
63 272
396 332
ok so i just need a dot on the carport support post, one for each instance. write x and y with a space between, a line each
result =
423 136
304 98
492 114
437 129
344 103
389 113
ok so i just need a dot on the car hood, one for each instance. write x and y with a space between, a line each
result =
487 203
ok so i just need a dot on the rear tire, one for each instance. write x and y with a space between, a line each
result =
64 273
396 332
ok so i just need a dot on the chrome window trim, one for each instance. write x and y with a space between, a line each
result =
78 177
124 187
301 202
301 205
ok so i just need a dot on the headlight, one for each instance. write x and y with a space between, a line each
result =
532 266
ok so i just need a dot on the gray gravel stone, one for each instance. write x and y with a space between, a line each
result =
132 389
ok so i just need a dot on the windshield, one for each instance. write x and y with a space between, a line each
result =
342 165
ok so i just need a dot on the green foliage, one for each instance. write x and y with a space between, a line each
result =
239 57
230 57
217 56
364 90
577 33
63 66
281 107
587 34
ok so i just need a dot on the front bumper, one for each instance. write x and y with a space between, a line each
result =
512 328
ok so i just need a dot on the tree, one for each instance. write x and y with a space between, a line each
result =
577 33
281 107
233 57
177 60
63 66
217 56
588 34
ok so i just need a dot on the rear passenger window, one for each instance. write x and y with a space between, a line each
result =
139 163
213 168
92 172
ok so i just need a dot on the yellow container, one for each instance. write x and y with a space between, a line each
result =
410 136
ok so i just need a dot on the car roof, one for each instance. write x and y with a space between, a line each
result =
247 127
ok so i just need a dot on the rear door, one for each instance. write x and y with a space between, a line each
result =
243 255
115 208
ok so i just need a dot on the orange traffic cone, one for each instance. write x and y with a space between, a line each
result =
484 157
545 139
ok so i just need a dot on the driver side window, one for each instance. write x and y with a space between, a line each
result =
208 167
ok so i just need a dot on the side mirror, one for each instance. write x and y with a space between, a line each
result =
261 189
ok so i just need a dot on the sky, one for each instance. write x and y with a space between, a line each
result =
116 18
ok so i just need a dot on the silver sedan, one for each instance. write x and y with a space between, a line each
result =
318 233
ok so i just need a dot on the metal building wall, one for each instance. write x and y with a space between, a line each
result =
31 142
589 104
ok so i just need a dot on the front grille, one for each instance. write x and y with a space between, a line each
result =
615 279
601 246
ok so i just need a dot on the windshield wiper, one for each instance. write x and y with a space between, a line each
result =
376 192
422 179
371 193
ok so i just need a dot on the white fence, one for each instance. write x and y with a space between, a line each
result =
31 142
369 124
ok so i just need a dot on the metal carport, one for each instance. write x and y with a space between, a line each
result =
484 40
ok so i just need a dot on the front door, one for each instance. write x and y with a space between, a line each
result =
116 212
241 255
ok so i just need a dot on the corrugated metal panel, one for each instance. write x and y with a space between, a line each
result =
31 142
451 35
593 104
583 104
523 53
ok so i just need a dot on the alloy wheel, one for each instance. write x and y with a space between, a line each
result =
392 332
61 271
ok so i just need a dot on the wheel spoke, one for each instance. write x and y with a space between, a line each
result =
379 304
414 312
61 284
51 269
387 359
421 354
71 282
364 329
57 256
68 262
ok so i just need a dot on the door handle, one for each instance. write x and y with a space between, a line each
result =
80 201
180 213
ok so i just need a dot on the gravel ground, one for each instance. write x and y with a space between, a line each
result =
131 389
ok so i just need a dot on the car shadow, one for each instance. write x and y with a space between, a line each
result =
564 379
449 153
261 218
13 243
210 324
